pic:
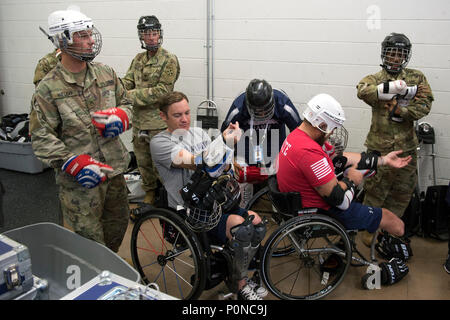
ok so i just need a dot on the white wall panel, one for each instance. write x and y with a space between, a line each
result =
302 47
423 31
329 10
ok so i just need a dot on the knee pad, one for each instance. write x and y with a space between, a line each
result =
259 234
242 248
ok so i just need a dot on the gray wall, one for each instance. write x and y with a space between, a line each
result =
303 47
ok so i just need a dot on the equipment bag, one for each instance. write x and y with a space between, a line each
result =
436 213
411 216
2 192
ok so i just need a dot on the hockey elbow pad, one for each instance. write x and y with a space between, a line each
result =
341 198
347 199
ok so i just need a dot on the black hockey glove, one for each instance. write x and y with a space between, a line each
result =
339 163
390 247
393 271
197 187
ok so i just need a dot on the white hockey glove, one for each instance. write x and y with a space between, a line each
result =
398 88
217 157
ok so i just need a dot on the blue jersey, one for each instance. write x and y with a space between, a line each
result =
263 137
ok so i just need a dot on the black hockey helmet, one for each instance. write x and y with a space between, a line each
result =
146 23
395 52
259 100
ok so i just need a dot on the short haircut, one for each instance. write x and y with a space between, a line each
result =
170 98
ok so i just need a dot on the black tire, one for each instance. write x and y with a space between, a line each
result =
262 204
299 275
166 252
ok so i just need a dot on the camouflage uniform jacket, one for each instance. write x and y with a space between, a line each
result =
386 135
147 79
60 120
47 63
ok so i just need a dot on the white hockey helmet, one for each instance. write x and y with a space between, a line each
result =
324 113
63 24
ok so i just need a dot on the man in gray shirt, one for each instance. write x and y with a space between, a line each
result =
176 152
165 146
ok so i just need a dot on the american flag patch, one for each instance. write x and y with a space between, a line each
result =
321 168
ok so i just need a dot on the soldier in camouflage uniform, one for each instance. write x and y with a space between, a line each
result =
47 63
78 110
398 97
151 75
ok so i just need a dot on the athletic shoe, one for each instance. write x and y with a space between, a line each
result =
259 290
247 293
447 264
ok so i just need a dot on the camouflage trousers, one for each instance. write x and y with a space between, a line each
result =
392 188
144 160
100 214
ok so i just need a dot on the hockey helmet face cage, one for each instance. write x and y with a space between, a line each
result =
339 138
74 33
324 113
201 220
259 100
150 33
225 190
395 52
231 194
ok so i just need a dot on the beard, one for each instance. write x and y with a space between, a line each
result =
323 137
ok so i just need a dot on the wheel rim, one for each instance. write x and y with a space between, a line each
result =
301 274
164 253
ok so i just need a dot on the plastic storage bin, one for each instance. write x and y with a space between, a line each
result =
19 156
67 260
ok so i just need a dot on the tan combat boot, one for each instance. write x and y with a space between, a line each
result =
149 197
367 238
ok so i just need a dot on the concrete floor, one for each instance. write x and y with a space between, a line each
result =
427 279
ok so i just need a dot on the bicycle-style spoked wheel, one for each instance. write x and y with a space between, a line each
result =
319 262
166 252
262 204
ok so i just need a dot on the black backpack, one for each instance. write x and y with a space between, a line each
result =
436 213
412 215
2 192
